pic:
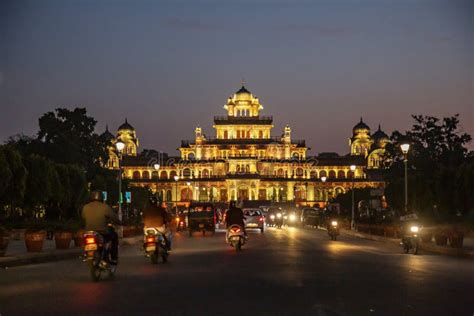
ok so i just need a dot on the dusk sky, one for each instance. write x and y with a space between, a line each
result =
170 66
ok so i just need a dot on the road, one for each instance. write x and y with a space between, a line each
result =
281 272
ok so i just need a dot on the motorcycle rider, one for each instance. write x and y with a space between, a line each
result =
97 216
235 216
155 216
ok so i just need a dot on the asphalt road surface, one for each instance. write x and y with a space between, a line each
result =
281 272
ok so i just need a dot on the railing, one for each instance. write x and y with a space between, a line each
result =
243 118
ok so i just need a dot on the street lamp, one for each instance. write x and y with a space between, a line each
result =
176 178
405 147
188 184
323 179
120 146
353 168
156 166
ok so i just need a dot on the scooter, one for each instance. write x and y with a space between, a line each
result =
97 255
333 230
155 246
236 236
411 240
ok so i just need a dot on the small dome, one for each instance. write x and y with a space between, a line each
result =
243 90
361 126
126 126
379 135
107 135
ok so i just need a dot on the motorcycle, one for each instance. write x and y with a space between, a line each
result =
236 237
333 230
155 246
291 219
279 220
411 240
96 253
180 224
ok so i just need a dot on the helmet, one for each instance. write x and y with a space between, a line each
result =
153 200
97 196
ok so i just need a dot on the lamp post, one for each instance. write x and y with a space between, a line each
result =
176 178
156 166
405 147
323 179
188 184
120 146
353 168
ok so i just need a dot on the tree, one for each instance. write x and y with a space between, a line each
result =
437 149
68 137
12 191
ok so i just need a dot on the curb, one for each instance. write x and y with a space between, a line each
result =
423 246
55 255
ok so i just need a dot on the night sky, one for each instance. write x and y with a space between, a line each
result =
170 66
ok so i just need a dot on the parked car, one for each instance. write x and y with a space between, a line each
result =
254 219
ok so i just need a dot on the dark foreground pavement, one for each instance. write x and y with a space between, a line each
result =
281 272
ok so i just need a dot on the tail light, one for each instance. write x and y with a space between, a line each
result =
235 230
150 239
90 240
261 219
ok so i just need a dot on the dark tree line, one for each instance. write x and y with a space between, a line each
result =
53 171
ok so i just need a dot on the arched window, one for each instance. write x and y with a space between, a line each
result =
323 174
191 156
186 194
146 175
168 195
332 174
226 135
205 173
341 174
296 155
248 134
313 174
260 134
299 172
350 174
238 168
186 173
154 174
247 169
136 175
238 134
280 172
163 175
172 174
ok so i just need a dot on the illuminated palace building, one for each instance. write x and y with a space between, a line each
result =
244 161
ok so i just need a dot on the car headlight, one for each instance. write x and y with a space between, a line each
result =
272 216
278 215
414 229
292 217
334 223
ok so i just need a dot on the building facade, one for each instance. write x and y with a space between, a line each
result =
244 160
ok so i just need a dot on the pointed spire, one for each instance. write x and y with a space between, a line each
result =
379 127
361 119
106 127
